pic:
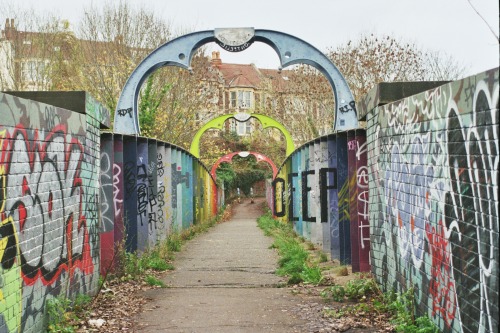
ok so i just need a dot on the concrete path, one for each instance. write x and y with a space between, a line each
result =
224 281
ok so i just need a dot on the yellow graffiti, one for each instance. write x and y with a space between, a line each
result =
11 290
3 190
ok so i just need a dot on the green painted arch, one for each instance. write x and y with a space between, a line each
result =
218 123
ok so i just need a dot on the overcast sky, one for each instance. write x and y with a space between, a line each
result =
450 26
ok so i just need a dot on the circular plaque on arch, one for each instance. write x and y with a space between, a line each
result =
234 39
242 117
244 153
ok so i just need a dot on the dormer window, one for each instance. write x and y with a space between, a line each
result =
241 99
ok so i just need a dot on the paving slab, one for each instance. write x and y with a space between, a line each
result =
224 281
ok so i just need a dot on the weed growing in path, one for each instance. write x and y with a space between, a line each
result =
294 259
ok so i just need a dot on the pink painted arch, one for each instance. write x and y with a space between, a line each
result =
229 158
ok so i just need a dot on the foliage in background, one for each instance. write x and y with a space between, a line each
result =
149 103
372 59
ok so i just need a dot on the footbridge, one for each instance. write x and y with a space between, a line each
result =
411 197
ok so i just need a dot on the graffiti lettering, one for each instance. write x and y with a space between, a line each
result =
124 112
45 201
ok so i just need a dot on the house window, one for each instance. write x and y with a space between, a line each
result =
244 128
241 99
33 70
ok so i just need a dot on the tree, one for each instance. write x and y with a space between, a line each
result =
149 103
113 40
372 59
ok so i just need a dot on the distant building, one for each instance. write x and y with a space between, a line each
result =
283 95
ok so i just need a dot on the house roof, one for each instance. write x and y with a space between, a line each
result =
249 76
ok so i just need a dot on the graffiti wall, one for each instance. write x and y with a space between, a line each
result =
49 232
322 188
150 189
433 210
71 197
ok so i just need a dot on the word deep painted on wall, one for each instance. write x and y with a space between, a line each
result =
69 197
434 218
323 189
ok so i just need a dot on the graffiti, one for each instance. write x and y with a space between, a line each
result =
106 193
322 156
442 287
433 161
177 179
124 112
129 178
142 193
117 197
160 198
348 108
159 166
52 118
48 199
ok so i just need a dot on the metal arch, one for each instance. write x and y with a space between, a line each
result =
229 158
218 123
179 52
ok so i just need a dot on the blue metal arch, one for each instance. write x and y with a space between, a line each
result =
179 52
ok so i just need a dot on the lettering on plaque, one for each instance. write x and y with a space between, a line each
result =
234 39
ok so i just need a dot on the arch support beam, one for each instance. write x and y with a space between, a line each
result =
218 123
229 159
179 52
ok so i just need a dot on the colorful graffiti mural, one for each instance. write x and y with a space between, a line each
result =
162 188
49 237
433 211
415 200
318 189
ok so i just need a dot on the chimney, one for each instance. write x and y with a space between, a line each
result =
9 29
216 60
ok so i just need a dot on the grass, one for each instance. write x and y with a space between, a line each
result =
154 281
294 259
296 264
62 313
399 308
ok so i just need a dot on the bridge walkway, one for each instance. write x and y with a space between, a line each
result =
224 281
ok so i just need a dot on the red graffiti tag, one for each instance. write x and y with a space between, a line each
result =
441 287
45 201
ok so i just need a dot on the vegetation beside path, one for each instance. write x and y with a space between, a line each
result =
354 300
117 301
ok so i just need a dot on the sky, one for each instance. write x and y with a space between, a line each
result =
451 27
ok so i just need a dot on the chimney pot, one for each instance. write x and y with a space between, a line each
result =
216 58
